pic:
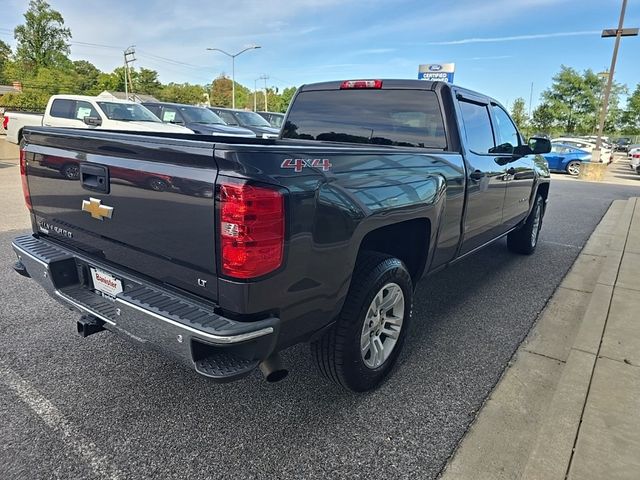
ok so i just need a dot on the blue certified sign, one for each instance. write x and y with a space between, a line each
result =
437 72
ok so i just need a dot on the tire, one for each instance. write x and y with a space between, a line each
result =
157 184
573 168
338 352
70 171
525 239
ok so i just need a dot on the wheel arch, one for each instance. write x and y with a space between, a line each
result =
409 241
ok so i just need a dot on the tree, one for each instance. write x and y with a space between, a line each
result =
183 93
543 119
113 81
221 92
5 56
519 114
29 100
87 76
42 40
574 101
631 116
146 81
286 97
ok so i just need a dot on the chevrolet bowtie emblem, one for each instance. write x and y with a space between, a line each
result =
97 211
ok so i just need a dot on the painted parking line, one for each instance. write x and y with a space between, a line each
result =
57 422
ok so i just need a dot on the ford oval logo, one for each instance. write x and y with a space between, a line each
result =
435 68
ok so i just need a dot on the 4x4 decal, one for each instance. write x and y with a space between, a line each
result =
298 164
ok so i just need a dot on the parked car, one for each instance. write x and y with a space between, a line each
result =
622 144
275 119
606 154
80 111
320 236
633 149
199 119
634 158
565 158
247 119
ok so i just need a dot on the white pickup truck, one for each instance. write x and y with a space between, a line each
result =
79 111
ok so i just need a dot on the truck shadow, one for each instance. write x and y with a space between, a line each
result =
468 320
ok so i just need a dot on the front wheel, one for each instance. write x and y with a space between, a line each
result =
525 239
360 350
573 168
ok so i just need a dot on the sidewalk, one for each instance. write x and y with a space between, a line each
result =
568 406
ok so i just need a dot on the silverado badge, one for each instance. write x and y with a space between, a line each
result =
97 211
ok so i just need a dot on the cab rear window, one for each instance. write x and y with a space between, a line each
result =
406 118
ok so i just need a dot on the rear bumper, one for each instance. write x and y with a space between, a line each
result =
215 346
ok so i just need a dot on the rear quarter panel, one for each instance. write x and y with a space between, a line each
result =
329 214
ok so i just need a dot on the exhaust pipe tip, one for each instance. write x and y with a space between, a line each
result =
88 325
272 369
20 269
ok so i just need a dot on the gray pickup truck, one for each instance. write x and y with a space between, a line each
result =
254 245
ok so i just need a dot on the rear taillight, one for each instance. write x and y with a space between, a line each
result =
23 176
348 84
5 122
251 230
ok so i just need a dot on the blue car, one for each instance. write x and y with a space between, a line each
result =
565 158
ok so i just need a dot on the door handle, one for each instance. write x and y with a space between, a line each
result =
477 175
94 177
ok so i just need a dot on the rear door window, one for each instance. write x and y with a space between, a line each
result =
62 108
406 118
477 127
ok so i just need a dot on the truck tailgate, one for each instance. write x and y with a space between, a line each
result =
142 202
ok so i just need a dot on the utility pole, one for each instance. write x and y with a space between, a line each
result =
265 78
618 33
129 57
530 100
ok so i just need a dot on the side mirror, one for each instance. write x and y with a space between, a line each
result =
539 145
93 121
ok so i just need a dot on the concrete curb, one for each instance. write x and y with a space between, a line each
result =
552 452
529 425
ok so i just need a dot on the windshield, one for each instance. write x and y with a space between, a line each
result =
201 115
251 119
408 118
127 112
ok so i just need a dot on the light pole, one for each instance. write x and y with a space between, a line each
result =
265 77
233 69
602 76
619 32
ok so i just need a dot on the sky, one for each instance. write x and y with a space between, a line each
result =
500 47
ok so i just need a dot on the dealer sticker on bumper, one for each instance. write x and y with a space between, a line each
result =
105 282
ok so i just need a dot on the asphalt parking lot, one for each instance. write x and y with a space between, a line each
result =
103 408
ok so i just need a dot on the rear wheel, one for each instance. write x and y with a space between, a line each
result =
360 350
573 168
525 239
